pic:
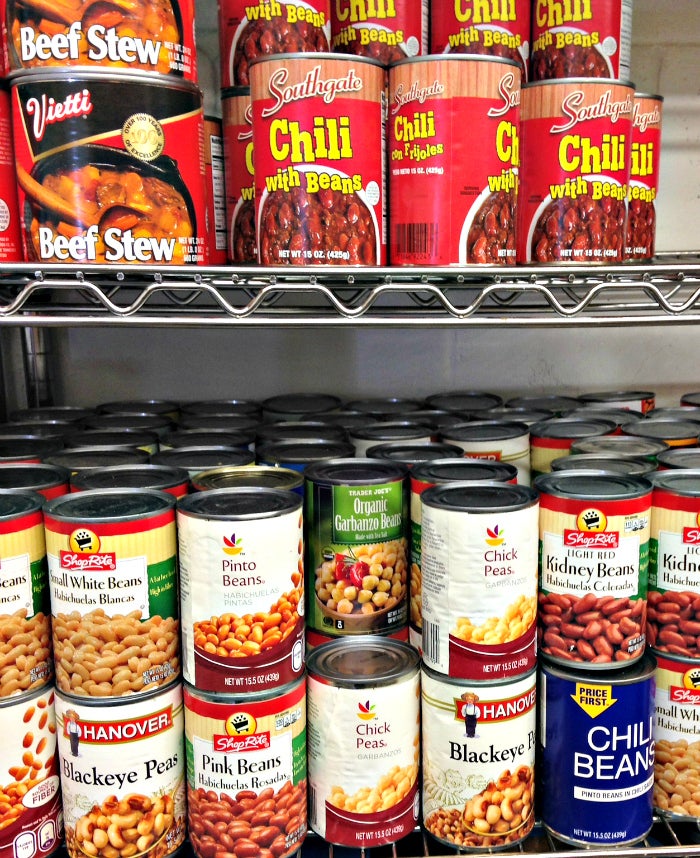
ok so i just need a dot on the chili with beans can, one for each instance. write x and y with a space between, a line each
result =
318 134
364 714
237 127
576 137
454 156
594 556
644 177
110 168
387 30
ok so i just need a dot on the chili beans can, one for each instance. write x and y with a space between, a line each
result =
453 150
174 481
255 476
215 187
364 712
553 438
387 31
594 557
496 29
494 440
31 818
237 128
10 232
246 771
478 760
49 481
318 134
242 588
79 134
576 136
596 753
356 529
113 582
123 768
25 624
581 39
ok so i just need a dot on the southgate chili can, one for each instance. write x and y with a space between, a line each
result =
122 771
356 527
110 168
596 754
576 138
318 134
113 581
594 557
644 176
364 714
237 128
478 760
479 579
453 149
387 31
242 588
246 771
31 819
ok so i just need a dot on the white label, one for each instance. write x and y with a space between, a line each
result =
118 588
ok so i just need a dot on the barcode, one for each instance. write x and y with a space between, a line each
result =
314 820
431 641
418 239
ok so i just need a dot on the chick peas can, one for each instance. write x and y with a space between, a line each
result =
363 709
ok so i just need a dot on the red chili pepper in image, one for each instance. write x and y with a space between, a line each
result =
357 572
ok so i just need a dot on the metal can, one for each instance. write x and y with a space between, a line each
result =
49 481
144 421
318 127
76 460
10 232
216 195
497 29
255 476
113 582
635 400
174 481
465 401
221 408
31 821
620 445
364 712
243 437
387 31
412 453
79 135
386 407
196 459
162 407
242 588
27 449
677 457
581 39
298 406
576 136
122 768
553 438
298 455
670 430
635 466
299 430
25 625
356 530
364 437
594 556
439 106
494 440
246 771
117 438
237 127
478 760
596 754
557 404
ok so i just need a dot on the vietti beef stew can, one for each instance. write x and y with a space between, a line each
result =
318 157
10 232
387 31
110 168
453 154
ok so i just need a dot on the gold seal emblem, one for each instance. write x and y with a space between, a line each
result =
143 136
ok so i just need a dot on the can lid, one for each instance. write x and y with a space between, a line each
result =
78 458
635 465
138 476
244 502
571 427
202 458
465 400
107 505
256 476
300 403
585 485
355 472
222 407
680 457
615 395
292 430
461 469
554 402
392 430
303 450
34 476
485 430
138 406
389 406
480 497
413 453
639 670
621 445
362 660
681 482
15 503
662 427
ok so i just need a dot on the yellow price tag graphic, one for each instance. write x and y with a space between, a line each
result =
593 699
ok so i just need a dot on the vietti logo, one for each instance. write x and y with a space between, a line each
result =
46 110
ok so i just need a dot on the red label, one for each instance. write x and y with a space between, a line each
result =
677 694
117 732
388 30
494 711
241 744
591 539
644 178
100 562
691 535
240 183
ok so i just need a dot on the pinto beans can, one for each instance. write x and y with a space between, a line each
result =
318 134
453 151
237 127
644 176
594 557
576 138
110 169
387 30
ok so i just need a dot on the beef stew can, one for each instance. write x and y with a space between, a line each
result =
237 127
387 31
10 233
216 194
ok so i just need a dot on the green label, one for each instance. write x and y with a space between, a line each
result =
367 513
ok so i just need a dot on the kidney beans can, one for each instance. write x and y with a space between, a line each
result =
596 754
318 158
594 556
78 134
479 579
364 712
584 38
113 582
237 125
576 136
387 31
122 768
495 29
439 107
31 819
246 771
478 760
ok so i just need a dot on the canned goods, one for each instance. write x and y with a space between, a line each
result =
318 128
163 407
670 430
607 462
634 400
465 402
596 754
479 579
438 108
298 406
557 405
364 437
160 424
221 408
576 136
122 768
255 476
364 712
411 453
27 449
31 820
299 430
237 128
10 233
246 753
81 136
216 195
25 626
478 760
298 455
495 441
196 459
691 399
49 481
387 31
594 555
677 457
356 530
113 579
79 459
174 481
123 439
64 413
243 437
618 416
620 445
386 408
553 438
241 584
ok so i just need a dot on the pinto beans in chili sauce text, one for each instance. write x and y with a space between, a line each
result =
385 30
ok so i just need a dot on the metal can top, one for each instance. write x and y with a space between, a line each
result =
480 497
636 466
616 395
300 403
680 482
584 485
80 458
202 458
355 472
310 56
620 445
465 400
209 438
571 427
126 437
69 413
481 58
486 430
579 81
385 408
662 427
290 430
241 503
413 454
17 446
362 661
554 403
391 430
679 457
303 450
15 503
632 673
462 469
222 407
106 505
145 476
256 476
33 476
138 406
